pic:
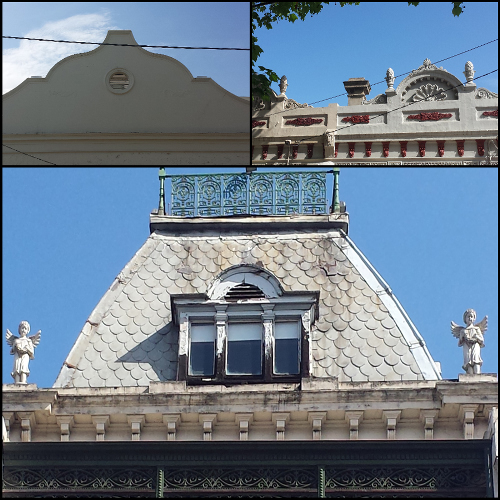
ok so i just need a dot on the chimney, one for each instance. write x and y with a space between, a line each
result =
357 89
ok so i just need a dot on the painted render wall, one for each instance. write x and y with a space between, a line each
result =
166 116
388 121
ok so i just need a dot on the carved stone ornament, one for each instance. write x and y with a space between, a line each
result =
471 339
292 104
23 348
469 72
429 92
482 93
426 66
389 78
283 85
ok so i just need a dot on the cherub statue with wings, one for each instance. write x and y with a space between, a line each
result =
471 339
23 349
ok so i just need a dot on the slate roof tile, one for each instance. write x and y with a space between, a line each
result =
356 337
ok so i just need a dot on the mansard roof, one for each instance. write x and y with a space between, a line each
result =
362 333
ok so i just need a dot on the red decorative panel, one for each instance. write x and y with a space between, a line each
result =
310 150
357 119
351 149
280 151
480 147
264 151
403 145
461 147
255 123
368 148
304 121
295 149
336 149
490 113
385 146
429 116
421 148
441 148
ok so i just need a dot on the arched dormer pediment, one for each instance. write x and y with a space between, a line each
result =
248 275
431 82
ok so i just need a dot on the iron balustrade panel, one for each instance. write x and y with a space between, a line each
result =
406 482
250 469
268 193
79 481
269 481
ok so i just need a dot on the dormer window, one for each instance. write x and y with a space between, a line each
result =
246 331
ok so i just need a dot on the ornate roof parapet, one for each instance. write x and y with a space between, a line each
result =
429 82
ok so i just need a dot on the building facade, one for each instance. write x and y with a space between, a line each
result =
249 348
119 105
429 118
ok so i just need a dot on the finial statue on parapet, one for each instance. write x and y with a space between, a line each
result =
283 85
23 349
471 338
389 78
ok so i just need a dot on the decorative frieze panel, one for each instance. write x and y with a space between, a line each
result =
256 480
85 480
304 121
434 116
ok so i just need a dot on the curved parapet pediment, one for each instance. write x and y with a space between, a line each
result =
429 82
121 89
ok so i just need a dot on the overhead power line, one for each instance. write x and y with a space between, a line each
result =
397 76
124 44
17 151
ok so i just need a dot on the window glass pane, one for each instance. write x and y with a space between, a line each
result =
202 350
244 349
286 330
286 348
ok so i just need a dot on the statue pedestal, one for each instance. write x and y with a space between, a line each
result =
477 377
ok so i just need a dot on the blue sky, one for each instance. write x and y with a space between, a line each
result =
431 233
318 54
205 24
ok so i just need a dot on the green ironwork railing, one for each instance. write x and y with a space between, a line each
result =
253 193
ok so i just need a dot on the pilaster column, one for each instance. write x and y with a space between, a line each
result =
428 417
136 422
207 421
353 419
172 422
316 419
27 423
100 422
280 420
65 423
466 416
391 419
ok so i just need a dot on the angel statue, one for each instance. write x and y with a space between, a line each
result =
23 349
471 338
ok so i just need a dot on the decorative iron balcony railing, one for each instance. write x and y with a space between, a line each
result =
255 193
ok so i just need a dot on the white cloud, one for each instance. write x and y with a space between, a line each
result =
37 58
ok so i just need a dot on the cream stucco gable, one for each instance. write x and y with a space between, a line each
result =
125 90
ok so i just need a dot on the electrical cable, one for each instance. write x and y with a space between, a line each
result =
29 155
397 76
123 44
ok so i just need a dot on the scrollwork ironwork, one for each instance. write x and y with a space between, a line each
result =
256 194
240 478
81 478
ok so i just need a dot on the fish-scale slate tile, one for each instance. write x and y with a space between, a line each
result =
355 337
